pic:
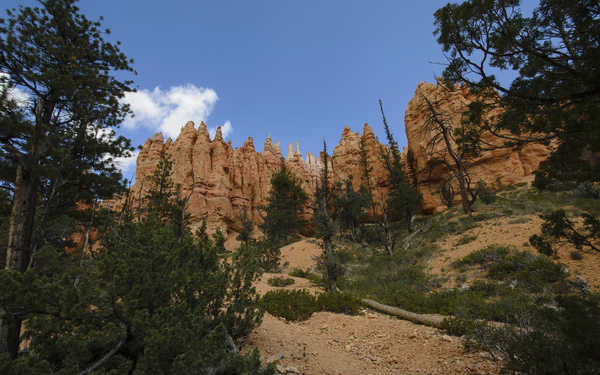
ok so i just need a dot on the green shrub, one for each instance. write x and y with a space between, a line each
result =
540 274
486 288
551 341
541 180
280 281
339 303
458 326
292 305
484 257
576 255
465 240
295 305
542 245
484 193
509 265
297 272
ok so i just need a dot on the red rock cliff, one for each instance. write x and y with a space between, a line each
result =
507 165
223 180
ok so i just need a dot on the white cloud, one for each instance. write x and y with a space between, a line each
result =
168 111
126 163
226 129
19 96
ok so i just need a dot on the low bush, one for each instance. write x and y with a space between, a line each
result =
509 265
534 273
465 240
560 340
292 305
280 281
337 302
458 326
484 193
576 255
297 272
484 257
587 190
296 305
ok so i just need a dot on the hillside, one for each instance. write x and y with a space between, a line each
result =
375 343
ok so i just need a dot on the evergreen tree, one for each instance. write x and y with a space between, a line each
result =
149 301
366 187
325 228
413 173
247 227
351 206
57 147
556 55
159 199
284 205
554 98
403 200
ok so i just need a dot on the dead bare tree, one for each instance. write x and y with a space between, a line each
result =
445 149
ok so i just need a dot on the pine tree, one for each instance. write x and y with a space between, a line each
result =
554 97
159 199
150 301
284 205
366 187
325 228
351 206
403 200
58 147
245 234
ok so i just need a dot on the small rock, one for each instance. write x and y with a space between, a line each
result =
447 338
581 283
275 358
291 370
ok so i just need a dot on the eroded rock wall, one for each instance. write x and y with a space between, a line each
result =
222 181
506 165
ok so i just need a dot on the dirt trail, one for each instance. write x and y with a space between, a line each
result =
371 343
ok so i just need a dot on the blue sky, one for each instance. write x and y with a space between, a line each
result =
298 70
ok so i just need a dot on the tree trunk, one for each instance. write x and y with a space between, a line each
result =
466 202
331 265
460 172
18 251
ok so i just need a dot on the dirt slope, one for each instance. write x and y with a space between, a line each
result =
508 231
371 343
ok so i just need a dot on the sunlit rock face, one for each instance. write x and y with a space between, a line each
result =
507 166
222 181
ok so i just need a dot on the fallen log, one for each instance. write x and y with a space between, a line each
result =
431 320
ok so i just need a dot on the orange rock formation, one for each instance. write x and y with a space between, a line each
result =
506 165
222 181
